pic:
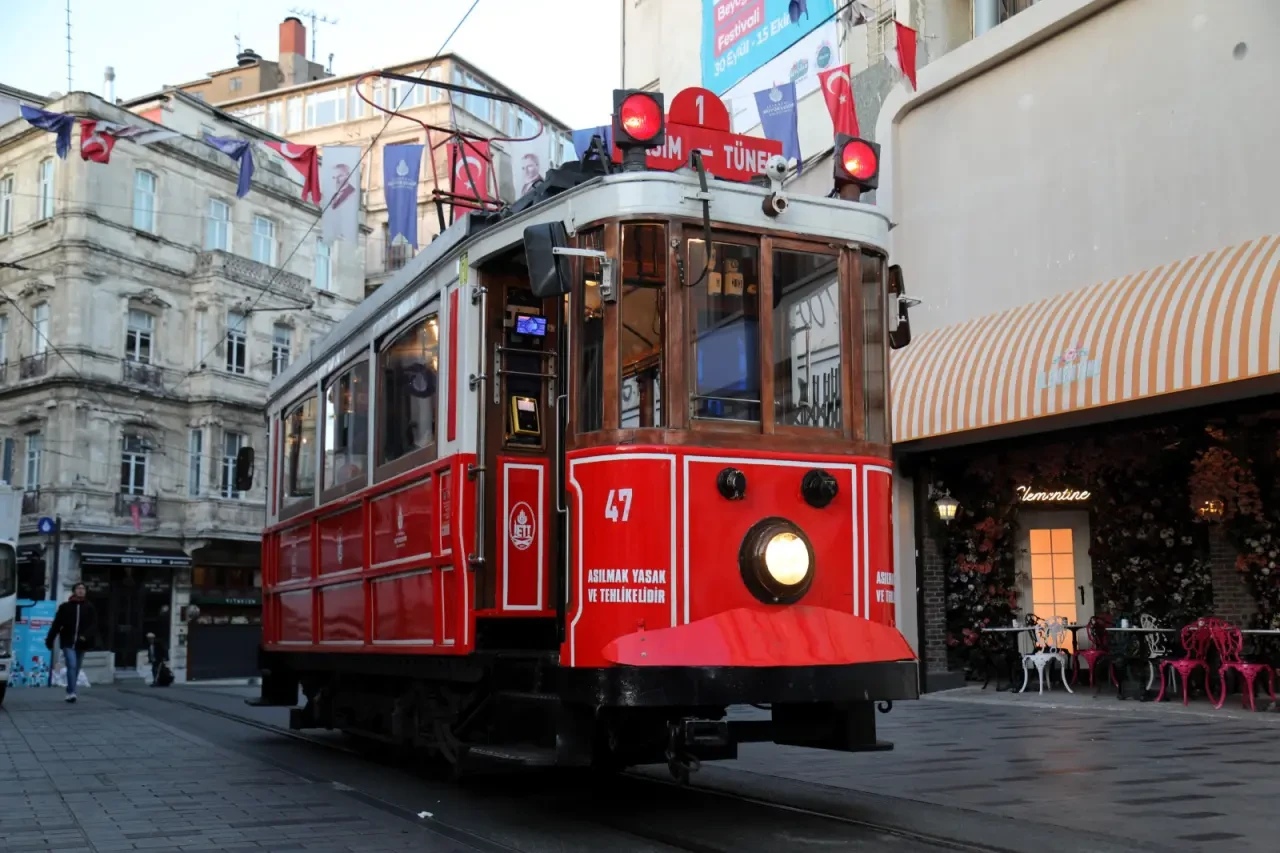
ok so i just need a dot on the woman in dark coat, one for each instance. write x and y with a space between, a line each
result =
73 625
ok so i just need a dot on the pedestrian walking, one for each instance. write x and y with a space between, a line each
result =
73 625
157 656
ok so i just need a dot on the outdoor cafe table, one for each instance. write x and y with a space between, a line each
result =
1256 632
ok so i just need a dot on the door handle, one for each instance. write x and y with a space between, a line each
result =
1082 595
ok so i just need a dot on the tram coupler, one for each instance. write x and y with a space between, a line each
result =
690 741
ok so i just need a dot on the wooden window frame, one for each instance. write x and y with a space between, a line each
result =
341 490
291 506
383 471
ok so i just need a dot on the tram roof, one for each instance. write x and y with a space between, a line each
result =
625 195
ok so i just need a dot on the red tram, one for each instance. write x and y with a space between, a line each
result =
568 487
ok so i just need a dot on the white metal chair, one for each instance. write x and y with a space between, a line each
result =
1157 650
1051 634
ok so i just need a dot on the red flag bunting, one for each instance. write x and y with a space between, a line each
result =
906 49
95 143
837 90
305 160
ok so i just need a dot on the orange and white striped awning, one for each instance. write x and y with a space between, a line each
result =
1199 322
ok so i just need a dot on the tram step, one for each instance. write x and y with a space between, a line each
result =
527 756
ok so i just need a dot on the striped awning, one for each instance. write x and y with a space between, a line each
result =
1199 322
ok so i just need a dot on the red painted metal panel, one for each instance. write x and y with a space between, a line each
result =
451 607
785 636
878 562
342 613
523 542
403 522
624 550
716 528
454 378
295 554
295 616
405 608
446 511
342 542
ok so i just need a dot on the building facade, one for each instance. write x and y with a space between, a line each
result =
327 111
143 310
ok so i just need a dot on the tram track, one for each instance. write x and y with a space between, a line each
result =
693 812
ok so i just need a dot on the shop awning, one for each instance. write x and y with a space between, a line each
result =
1195 323
118 555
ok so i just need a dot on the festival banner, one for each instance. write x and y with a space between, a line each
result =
740 36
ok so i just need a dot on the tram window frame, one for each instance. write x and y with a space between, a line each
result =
840 278
387 468
345 487
657 281
693 269
874 345
292 502
584 268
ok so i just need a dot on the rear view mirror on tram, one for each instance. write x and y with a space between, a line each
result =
548 270
899 308
244 469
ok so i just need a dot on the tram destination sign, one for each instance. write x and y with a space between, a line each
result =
699 121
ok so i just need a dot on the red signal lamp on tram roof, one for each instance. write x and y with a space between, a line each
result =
639 122
857 163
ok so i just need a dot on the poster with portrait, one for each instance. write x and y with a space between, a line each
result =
529 162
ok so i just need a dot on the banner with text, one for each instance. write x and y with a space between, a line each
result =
740 36
800 64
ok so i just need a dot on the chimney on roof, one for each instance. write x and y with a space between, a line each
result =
293 52
109 85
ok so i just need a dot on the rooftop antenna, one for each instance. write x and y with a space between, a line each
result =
68 46
316 18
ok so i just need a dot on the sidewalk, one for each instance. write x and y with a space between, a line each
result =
95 776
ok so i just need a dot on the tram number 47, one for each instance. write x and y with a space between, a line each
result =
618 497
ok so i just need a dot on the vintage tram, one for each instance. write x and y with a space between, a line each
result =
569 485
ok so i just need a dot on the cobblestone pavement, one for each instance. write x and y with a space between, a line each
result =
95 776
1180 779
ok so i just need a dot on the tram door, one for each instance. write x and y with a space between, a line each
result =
518 578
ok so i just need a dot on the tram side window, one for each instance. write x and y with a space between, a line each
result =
643 326
346 426
725 324
410 378
300 451
591 363
806 340
873 352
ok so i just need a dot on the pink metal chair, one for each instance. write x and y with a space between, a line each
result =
1229 642
1100 649
1195 643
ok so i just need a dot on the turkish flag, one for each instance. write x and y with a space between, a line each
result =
95 143
469 167
305 160
837 90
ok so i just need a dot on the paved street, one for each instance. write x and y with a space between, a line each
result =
172 770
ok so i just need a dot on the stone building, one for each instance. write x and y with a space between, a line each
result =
143 310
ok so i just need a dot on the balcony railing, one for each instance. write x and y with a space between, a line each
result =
33 366
140 373
244 271
381 258
136 507
31 502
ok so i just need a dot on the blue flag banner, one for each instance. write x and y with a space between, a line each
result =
777 107
401 165
582 138
240 150
739 36
59 123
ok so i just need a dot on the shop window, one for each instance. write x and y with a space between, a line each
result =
590 367
410 377
806 340
875 417
725 325
300 451
1053 573
642 324
346 427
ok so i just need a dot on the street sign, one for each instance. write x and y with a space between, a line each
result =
698 120
45 525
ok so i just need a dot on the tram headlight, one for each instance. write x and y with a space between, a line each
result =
777 561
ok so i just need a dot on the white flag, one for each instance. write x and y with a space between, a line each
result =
529 162
340 192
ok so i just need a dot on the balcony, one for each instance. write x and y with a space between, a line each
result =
382 258
31 502
140 373
33 366
220 264
137 507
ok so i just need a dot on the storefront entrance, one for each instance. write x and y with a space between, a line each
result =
130 601
1053 554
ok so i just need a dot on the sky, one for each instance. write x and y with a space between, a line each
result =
561 55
